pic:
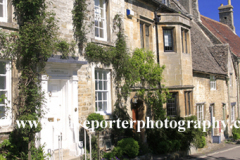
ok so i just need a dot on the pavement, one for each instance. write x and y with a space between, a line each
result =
229 152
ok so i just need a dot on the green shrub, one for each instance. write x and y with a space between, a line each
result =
129 147
236 136
118 152
2 158
95 117
201 141
236 133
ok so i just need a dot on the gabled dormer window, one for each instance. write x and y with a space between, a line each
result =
3 10
100 20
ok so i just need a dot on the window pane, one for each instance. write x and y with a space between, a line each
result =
105 96
96 74
101 24
147 30
2 67
101 3
97 2
2 95
99 95
105 75
105 106
141 35
96 32
100 106
96 23
96 106
100 75
186 42
105 85
147 36
101 33
102 14
3 82
100 85
96 85
1 1
168 38
2 112
1 10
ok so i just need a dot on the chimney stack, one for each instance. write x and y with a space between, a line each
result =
226 15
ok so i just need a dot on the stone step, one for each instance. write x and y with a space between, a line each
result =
65 153
71 158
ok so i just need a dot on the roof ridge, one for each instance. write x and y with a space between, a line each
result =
217 22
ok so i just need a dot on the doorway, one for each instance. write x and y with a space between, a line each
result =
138 113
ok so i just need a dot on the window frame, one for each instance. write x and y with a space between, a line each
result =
200 110
4 18
169 104
188 103
104 23
184 38
143 35
233 113
108 91
213 82
168 29
7 102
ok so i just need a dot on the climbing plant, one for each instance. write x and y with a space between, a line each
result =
30 48
79 15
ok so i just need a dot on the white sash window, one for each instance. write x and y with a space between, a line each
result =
5 93
200 112
102 91
100 19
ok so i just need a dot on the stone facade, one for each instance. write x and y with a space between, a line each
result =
188 65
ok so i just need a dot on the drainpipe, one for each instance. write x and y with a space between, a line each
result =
229 105
238 87
157 19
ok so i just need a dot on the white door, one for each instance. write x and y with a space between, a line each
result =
56 105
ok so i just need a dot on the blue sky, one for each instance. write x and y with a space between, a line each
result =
209 8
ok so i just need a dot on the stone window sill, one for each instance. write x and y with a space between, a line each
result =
11 26
105 43
6 129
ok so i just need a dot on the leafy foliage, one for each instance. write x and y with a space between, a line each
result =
30 47
129 147
171 140
96 117
236 133
79 14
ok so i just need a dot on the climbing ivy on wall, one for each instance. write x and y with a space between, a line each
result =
30 47
79 14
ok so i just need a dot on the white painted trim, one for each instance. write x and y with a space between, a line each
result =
109 93
4 18
8 120
104 23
